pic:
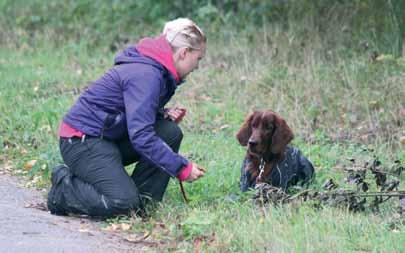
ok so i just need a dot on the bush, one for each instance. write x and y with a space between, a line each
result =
380 23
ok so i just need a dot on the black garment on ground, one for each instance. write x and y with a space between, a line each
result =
94 181
295 168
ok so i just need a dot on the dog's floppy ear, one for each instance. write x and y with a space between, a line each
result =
282 135
245 130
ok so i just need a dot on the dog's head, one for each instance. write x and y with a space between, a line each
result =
264 133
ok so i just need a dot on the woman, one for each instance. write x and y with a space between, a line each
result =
120 119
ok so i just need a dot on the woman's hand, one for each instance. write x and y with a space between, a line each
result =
176 113
196 173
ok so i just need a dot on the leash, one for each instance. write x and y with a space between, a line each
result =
261 168
183 192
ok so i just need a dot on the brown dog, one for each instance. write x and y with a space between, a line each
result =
266 136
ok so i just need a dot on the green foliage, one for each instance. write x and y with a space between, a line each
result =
346 23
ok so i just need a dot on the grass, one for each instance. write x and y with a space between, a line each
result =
339 106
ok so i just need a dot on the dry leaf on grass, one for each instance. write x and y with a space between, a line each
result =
125 226
197 244
113 227
28 165
84 228
133 238
223 127
40 206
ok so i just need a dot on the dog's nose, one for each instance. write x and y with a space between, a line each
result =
252 142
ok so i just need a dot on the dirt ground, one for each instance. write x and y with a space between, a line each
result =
24 227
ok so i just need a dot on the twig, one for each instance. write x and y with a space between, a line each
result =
141 240
372 194
183 192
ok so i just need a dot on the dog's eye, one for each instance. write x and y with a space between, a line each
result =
269 129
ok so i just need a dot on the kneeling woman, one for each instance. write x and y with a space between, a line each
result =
119 120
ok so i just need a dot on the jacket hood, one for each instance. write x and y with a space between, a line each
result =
157 49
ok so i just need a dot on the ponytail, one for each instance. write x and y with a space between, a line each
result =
183 32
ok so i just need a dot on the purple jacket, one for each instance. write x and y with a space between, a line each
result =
127 100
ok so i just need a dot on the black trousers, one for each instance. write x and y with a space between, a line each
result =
95 181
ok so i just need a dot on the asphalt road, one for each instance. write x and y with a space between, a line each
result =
24 228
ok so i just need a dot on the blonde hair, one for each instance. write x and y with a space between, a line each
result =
183 32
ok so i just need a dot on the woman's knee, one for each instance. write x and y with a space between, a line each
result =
124 205
116 206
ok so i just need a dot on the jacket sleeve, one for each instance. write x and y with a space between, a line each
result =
141 97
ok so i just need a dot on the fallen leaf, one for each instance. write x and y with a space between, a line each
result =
197 244
402 140
205 98
113 227
374 104
125 226
223 126
28 165
84 230
133 238
40 206
140 239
